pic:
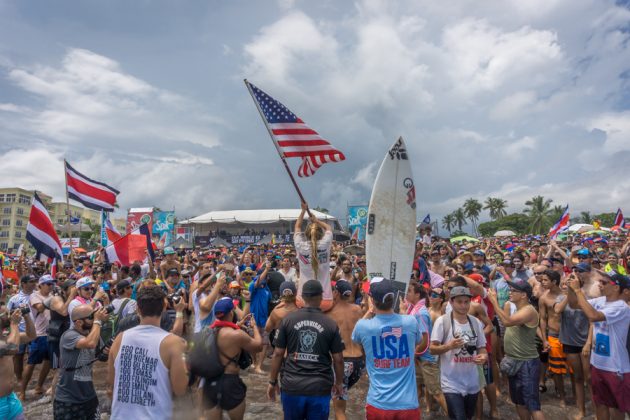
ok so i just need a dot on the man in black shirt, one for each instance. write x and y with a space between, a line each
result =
311 341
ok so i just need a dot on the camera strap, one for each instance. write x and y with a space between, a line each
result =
447 330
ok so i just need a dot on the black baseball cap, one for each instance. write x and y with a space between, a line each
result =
287 288
343 287
521 285
380 288
312 288
122 285
172 272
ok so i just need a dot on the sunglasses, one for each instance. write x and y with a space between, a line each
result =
88 289
90 316
583 257
435 295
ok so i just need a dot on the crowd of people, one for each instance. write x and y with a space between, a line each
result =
479 318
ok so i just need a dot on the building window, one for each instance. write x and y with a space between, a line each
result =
20 211
1 198
4 246
6 210
4 234
18 234
10 198
60 221
25 199
18 223
6 222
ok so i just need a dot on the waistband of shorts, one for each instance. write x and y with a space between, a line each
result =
554 334
354 359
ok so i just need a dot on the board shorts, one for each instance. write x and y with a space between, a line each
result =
373 413
487 371
38 350
524 385
299 407
11 407
227 392
88 410
611 389
431 375
353 368
569 349
557 357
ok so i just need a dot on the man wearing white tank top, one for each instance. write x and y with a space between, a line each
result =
146 364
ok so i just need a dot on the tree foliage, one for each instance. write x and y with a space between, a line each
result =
519 223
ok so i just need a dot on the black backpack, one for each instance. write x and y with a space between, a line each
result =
204 355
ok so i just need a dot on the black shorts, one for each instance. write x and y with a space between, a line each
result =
497 327
53 353
227 392
569 349
88 410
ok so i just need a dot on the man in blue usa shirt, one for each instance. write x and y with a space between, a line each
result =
389 342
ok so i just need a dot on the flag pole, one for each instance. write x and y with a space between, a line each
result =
68 231
284 161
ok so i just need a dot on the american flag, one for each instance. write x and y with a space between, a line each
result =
395 331
293 137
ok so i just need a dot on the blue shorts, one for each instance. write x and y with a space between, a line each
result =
301 407
11 407
524 386
38 351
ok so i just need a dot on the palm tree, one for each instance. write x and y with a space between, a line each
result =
472 208
448 222
496 207
586 217
539 211
459 216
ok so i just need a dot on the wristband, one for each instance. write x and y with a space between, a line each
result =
179 315
99 323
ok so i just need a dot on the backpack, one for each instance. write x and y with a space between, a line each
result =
109 329
204 355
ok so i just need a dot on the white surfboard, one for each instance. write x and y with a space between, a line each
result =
391 226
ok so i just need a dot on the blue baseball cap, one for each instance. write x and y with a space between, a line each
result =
380 288
582 267
223 306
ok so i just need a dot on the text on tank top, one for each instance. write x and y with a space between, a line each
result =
142 387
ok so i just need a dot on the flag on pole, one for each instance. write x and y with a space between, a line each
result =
40 231
427 219
293 138
619 219
561 224
131 247
53 268
112 234
75 220
92 194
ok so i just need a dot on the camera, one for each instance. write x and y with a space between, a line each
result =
109 309
175 297
25 310
470 349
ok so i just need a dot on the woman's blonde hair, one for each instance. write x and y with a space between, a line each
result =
314 233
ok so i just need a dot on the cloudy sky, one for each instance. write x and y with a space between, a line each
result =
495 98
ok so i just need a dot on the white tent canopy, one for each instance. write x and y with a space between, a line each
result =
254 216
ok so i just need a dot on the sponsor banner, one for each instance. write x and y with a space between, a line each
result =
136 219
163 224
244 239
65 244
103 228
357 220
183 232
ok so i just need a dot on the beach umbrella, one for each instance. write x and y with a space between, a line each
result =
464 238
354 249
595 232
502 233
580 227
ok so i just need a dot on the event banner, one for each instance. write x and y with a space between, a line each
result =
183 232
136 218
357 220
163 224
103 230
65 244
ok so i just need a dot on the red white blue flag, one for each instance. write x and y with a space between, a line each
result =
134 246
619 219
92 194
41 233
112 234
293 138
561 224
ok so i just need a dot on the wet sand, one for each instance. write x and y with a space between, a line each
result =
258 406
